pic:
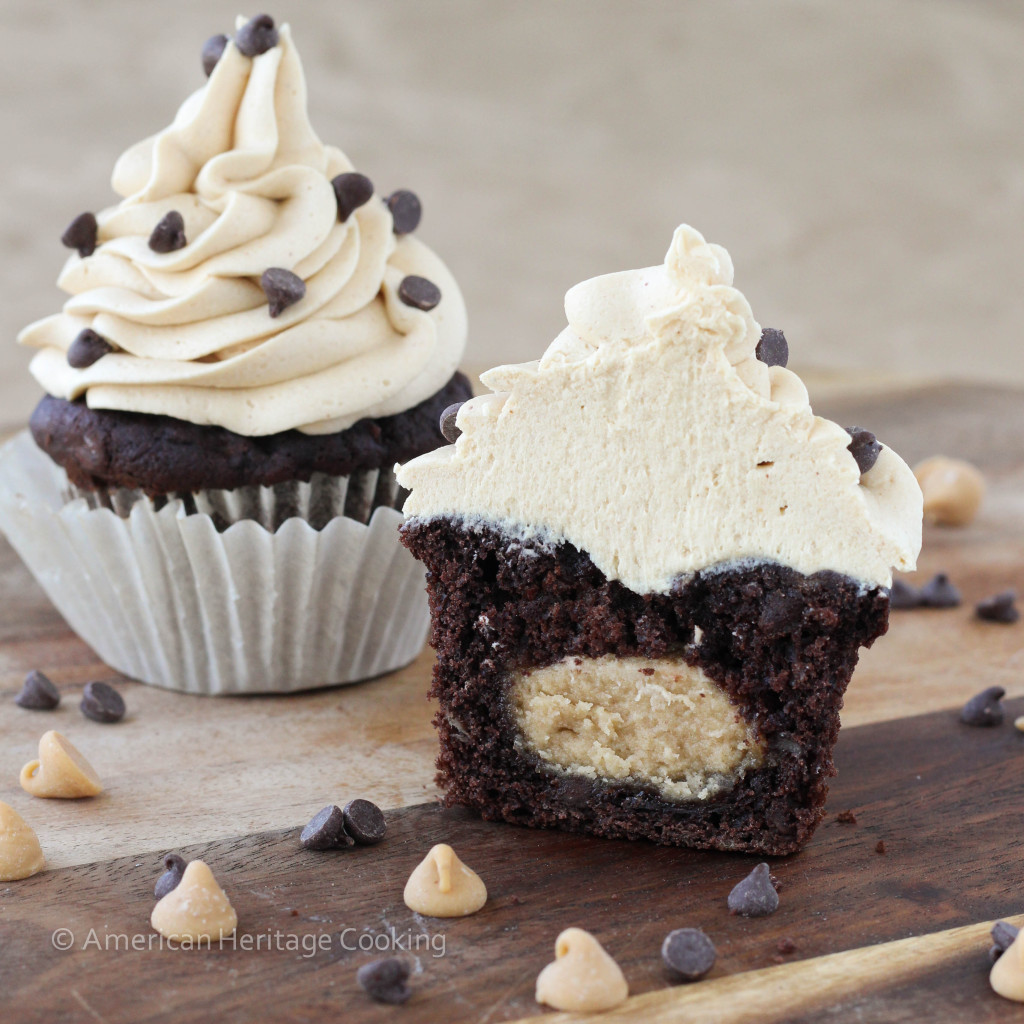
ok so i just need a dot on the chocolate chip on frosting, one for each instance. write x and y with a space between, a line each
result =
449 430
326 830
864 447
169 234
755 896
351 190
256 36
688 954
405 210
87 348
385 980
773 348
984 708
999 608
174 868
419 293
102 703
938 592
80 234
38 693
365 822
282 288
213 49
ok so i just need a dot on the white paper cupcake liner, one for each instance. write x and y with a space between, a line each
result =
163 596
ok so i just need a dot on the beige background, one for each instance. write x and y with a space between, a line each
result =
863 162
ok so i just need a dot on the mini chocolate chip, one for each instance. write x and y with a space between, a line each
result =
213 50
282 288
846 818
102 703
903 596
1003 934
351 190
169 234
256 36
786 946
87 348
1000 608
449 430
326 830
405 210
385 980
772 348
38 693
938 592
755 896
864 447
365 822
80 234
984 708
174 868
688 954
419 292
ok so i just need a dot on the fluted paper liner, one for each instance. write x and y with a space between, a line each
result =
163 596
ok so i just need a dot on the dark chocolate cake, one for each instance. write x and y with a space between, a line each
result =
780 644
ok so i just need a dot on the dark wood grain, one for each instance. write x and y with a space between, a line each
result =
944 798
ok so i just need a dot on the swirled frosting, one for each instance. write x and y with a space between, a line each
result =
190 328
650 436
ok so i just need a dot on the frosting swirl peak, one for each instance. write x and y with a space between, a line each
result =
192 337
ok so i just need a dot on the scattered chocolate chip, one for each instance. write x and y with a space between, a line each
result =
385 980
87 348
169 234
864 447
786 946
213 50
38 693
365 822
102 703
846 818
938 592
984 708
326 830
688 954
174 868
999 608
773 348
448 428
419 292
755 896
903 596
1003 934
80 234
351 190
880 846
282 288
256 36
405 210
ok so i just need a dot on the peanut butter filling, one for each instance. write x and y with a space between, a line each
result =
658 722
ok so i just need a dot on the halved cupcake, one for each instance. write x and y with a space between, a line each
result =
651 568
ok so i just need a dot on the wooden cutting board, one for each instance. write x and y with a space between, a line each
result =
882 937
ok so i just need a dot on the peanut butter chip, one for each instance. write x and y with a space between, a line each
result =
197 909
1007 977
61 772
20 852
442 886
952 490
583 977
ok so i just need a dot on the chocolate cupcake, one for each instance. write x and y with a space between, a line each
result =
651 568
254 337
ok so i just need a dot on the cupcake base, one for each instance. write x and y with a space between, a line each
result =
779 647
165 597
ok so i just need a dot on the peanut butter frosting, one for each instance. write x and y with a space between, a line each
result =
191 331
650 436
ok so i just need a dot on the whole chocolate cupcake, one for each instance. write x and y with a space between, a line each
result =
254 337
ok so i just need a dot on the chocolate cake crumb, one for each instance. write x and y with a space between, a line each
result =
846 818
880 846
786 946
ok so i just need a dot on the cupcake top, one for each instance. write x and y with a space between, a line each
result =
249 278
652 437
